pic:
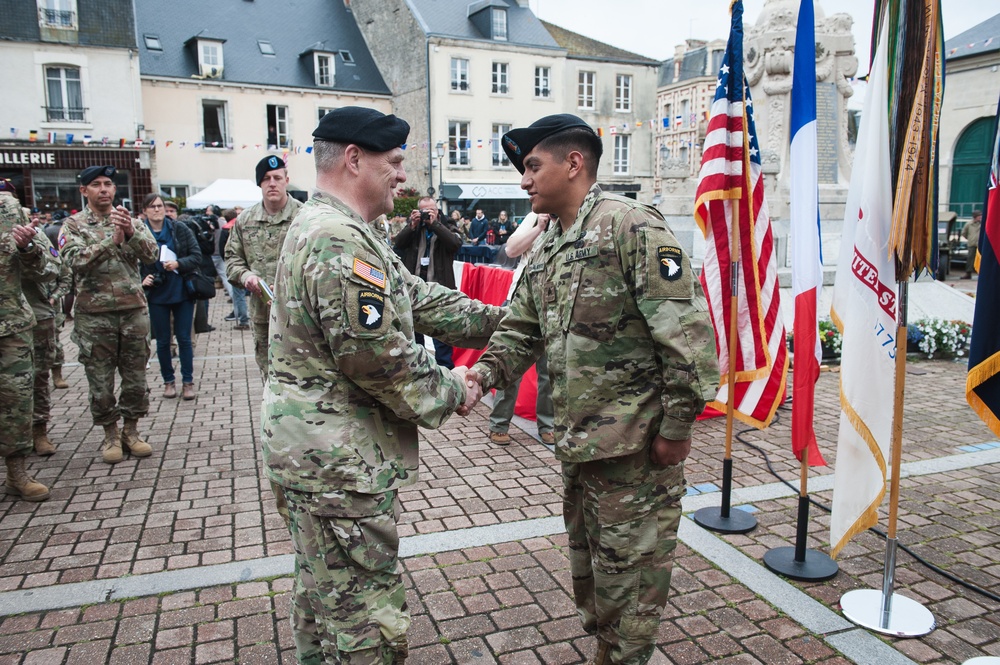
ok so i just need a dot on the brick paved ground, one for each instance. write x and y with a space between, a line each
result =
199 500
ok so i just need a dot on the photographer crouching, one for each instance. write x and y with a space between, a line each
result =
428 245
166 293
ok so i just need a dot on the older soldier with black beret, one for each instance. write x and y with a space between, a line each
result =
254 243
347 387
104 245
610 296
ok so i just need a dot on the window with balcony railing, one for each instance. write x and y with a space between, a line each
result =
58 14
64 94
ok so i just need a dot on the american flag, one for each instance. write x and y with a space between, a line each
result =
369 273
731 181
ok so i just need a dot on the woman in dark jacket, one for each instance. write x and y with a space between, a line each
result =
167 293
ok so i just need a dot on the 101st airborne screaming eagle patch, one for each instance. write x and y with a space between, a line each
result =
371 305
670 262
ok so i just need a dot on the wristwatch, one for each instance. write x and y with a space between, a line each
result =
30 247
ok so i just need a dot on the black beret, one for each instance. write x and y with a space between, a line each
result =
269 163
368 128
517 143
92 173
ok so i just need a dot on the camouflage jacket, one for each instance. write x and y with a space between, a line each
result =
347 385
35 263
41 292
254 243
624 324
107 276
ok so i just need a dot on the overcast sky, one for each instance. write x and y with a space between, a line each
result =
653 27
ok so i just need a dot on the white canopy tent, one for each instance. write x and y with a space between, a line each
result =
226 193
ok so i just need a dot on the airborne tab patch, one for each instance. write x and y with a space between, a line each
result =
670 262
369 273
371 305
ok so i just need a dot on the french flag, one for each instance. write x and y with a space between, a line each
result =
807 262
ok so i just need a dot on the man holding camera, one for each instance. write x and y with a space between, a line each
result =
254 244
427 246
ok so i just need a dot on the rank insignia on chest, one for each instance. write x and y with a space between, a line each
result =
369 273
670 262
370 308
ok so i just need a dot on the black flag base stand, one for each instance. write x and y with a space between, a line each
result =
799 563
724 520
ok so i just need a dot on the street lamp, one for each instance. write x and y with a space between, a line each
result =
439 149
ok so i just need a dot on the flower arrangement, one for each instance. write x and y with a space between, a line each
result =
830 339
937 338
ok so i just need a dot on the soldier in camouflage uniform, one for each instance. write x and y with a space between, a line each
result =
347 388
22 253
254 243
45 298
611 298
104 246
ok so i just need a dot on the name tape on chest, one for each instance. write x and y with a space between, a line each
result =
369 273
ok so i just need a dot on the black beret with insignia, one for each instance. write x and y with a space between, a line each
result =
368 128
269 163
92 173
517 143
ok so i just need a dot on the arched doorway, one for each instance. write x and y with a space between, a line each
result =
970 167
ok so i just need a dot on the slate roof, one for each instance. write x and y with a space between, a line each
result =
692 66
450 18
579 46
983 38
291 26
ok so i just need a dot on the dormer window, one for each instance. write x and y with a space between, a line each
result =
324 68
498 22
210 60
57 14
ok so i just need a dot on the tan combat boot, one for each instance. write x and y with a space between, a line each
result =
132 441
42 444
603 655
111 448
57 378
21 484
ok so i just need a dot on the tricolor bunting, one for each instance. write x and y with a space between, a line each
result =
982 386
731 191
864 309
807 262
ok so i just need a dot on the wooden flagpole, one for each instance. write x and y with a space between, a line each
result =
723 520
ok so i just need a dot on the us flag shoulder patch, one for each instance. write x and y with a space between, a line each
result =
369 273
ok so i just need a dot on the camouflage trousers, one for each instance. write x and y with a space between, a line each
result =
622 516
44 340
348 602
16 376
259 327
60 357
110 342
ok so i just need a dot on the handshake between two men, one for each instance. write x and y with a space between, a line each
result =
662 451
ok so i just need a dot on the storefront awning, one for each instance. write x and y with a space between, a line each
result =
478 190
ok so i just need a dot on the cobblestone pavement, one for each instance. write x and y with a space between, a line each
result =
493 595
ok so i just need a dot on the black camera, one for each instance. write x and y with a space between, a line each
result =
425 216
158 279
